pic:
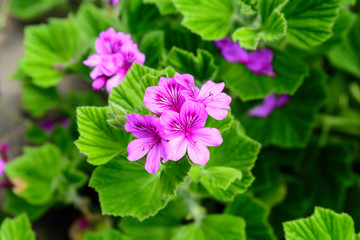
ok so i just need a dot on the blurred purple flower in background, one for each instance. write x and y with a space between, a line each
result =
269 104
113 2
49 125
115 54
258 61
4 158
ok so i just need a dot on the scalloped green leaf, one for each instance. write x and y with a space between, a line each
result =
247 85
289 125
37 101
99 141
201 66
214 227
310 22
346 56
29 10
126 189
18 228
323 224
108 235
34 174
211 19
50 50
255 213
165 6
273 25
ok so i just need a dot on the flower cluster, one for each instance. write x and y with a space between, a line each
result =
115 54
179 127
270 103
259 61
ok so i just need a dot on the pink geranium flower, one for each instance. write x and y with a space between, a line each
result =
187 133
210 95
115 54
4 158
151 139
269 104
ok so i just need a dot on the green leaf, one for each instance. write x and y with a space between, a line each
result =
34 174
220 177
214 227
202 66
211 19
126 189
161 227
346 56
29 10
37 101
98 140
323 224
15 205
273 25
18 228
50 50
310 22
152 45
109 235
165 6
255 213
289 125
94 20
237 152
290 74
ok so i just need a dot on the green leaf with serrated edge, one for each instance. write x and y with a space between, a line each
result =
126 189
220 177
290 74
310 22
94 20
237 151
255 213
37 101
15 205
201 66
273 25
50 50
34 173
152 45
161 227
18 228
109 235
139 18
290 125
29 10
346 56
323 224
214 227
165 6
98 140
211 19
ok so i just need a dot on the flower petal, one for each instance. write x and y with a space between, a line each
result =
138 148
209 90
207 136
152 163
178 146
166 151
188 83
198 153
114 81
193 115
99 82
172 126
92 60
141 127
218 106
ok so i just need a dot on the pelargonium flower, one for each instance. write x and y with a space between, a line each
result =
210 95
166 96
259 61
150 140
187 133
113 2
115 54
269 104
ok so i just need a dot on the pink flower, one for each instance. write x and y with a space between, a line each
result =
4 158
115 54
210 95
165 97
187 133
113 2
269 104
151 139
259 61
